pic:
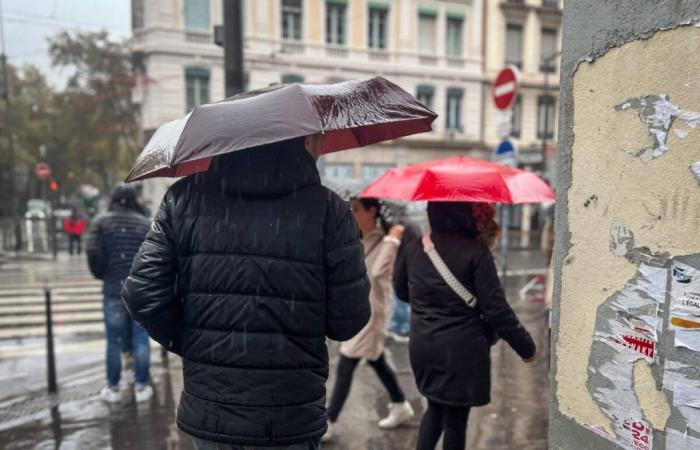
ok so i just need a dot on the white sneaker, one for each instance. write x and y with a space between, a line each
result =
110 395
400 338
144 393
328 435
399 413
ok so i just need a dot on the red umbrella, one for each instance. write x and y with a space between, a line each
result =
461 179
351 114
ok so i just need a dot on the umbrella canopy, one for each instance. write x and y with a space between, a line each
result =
461 179
351 114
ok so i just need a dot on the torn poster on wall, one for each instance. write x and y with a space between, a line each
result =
658 114
629 327
685 298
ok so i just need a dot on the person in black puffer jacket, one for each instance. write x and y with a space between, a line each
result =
449 345
246 270
113 241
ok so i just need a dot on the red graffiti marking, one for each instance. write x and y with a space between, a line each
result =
638 344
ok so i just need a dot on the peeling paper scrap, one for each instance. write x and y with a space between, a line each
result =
657 113
628 324
681 133
684 383
695 169
685 297
677 440
689 339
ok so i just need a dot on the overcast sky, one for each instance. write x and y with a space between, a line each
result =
28 24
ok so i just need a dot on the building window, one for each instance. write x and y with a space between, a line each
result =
197 87
290 78
424 94
454 35
427 28
197 15
371 172
550 3
338 171
291 19
514 45
136 14
516 117
545 117
454 109
548 49
377 26
335 22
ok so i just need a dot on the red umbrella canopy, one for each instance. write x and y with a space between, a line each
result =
461 179
351 114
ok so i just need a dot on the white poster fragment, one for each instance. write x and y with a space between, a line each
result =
677 440
685 298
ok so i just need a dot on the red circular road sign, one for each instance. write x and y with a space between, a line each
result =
506 87
42 171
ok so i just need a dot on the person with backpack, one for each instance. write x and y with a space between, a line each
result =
458 306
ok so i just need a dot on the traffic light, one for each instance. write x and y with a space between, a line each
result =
53 186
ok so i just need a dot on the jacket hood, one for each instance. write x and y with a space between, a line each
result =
124 196
267 171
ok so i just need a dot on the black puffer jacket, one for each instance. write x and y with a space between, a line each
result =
246 270
449 351
114 238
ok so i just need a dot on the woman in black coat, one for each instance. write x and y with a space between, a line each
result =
449 344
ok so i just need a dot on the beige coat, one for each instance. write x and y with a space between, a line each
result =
369 342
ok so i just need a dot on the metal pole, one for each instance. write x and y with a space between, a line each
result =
10 138
233 47
50 357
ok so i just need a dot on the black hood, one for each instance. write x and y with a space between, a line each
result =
124 196
267 171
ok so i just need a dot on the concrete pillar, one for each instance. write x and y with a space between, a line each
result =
627 257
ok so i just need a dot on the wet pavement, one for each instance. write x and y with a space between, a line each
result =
77 419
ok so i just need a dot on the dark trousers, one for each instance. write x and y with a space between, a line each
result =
74 239
439 418
343 382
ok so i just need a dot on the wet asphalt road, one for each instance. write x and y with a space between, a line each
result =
515 419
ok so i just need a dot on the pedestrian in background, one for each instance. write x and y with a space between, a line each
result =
400 322
450 340
113 241
246 270
380 251
74 226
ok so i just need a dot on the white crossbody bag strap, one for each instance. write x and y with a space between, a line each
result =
446 274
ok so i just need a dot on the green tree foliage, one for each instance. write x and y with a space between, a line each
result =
88 131
97 120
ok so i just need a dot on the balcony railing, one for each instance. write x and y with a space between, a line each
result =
455 62
427 60
337 52
378 55
198 38
292 47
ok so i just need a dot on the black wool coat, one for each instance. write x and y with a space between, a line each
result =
449 350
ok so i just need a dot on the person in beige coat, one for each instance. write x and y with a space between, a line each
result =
380 254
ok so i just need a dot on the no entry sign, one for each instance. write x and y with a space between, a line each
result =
506 87
42 171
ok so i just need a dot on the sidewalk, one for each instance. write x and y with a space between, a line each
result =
78 419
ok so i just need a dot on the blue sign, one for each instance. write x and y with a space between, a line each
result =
506 153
